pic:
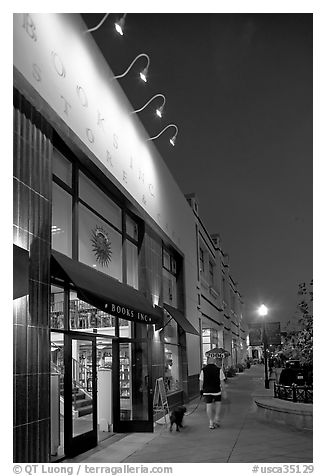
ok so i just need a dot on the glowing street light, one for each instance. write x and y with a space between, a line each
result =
263 311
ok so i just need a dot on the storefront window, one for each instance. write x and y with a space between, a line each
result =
209 340
100 202
57 308
56 385
92 232
100 246
132 264
172 379
84 316
61 229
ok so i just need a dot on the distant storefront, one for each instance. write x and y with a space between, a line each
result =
104 252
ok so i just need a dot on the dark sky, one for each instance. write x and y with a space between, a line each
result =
239 87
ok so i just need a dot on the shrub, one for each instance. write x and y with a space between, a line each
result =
240 367
231 372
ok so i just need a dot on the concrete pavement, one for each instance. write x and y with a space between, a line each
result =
242 437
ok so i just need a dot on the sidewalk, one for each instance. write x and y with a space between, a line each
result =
242 438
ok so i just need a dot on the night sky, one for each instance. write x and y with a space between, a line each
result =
239 87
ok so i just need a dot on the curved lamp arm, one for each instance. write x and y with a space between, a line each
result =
148 102
173 138
99 25
132 63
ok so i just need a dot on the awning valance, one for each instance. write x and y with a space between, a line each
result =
104 292
20 271
180 319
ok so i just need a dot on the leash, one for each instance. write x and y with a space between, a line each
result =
192 411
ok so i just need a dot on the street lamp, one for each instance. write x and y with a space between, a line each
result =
262 311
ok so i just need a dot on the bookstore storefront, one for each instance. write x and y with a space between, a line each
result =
100 287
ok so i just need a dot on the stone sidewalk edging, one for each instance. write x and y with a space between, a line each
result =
299 415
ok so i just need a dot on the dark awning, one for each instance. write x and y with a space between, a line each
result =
104 292
180 319
20 272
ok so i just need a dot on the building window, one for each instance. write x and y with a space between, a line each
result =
169 288
61 229
100 245
131 228
88 225
201 260
211 273
172 378
98 201
166 259
209 340
62 168
132 264
169 278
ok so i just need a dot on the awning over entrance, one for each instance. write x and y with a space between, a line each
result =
104 292
20 272
180 319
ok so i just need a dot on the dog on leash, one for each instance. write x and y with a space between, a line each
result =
176 417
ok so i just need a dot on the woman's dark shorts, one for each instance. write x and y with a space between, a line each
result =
212 398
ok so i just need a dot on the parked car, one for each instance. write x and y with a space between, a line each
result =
300 378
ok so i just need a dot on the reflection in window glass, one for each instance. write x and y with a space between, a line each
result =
172 379
83 316
170 329
100 246
132 264
100 202
169 288
61 220
62 168
56 386
57 308
82 386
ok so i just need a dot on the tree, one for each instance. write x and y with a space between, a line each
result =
299 339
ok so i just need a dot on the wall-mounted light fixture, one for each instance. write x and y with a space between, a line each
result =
99 24
119 25
143 73
173 139
159 110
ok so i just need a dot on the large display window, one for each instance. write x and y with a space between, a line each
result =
99 201
100 246
172 380
88 225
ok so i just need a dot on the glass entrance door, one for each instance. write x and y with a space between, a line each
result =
80 402
133 403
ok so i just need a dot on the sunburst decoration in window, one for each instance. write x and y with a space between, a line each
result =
101 245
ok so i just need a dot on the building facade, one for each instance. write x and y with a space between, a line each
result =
218 300
105 269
